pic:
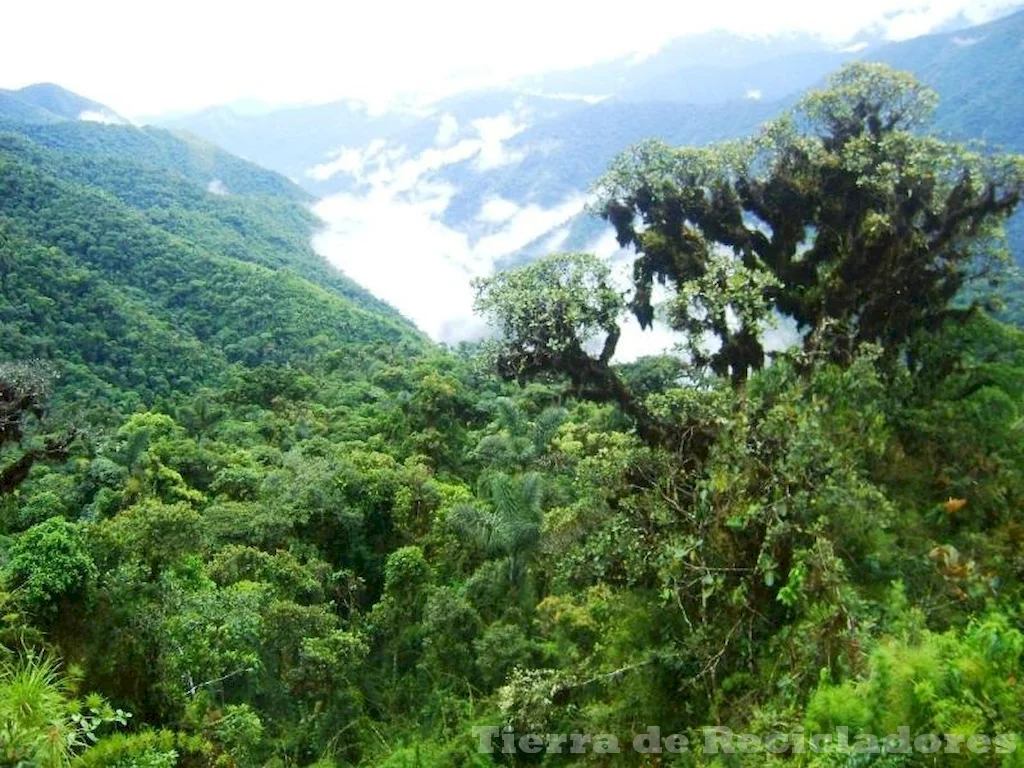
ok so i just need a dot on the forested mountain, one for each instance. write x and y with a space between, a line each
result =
49 103
250 516
294 137
713 67
150 265
973 71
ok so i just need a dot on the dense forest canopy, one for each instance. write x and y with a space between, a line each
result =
249 516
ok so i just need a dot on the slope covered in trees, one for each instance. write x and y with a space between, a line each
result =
149 266
49 103
293 534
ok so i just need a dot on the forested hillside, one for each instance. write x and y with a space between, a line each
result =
49 103
249 516
149 266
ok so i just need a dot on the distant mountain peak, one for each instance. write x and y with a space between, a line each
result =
50 103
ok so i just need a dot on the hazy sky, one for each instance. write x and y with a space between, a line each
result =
144 58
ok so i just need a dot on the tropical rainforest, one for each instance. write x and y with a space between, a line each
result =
250 516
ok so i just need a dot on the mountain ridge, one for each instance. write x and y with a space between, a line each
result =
125 218
49 102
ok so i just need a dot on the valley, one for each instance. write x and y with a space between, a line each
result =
666 410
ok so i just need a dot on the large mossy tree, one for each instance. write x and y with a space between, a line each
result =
842 215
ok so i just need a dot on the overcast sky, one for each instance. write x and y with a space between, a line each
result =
144 58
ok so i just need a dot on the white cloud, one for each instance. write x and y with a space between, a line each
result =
400 251
555 242
581 97
493 133
782 335
526 225
607 247
392 241
447 130
404 175
964 42
350 160
216 187
391 167
634 342
495 210
93 116
919 19
753 94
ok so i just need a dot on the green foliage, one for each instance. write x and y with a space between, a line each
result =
144 749
406 573
40 723
837 215
958 684
510 528
116 260
549 310
261 514
547 316
51 568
